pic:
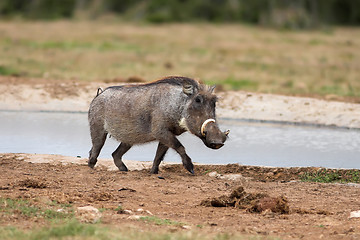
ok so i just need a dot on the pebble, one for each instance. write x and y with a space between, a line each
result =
88 214
213 174
146 211
187 227
135 217
129 212
355 214
230 177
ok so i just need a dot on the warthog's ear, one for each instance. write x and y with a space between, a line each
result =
212 88
188 88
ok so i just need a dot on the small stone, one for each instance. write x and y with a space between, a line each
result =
187 227
88 214
355 214
126 211
135 217
231 177
213 174
148 212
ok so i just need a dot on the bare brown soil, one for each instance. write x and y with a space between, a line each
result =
313 210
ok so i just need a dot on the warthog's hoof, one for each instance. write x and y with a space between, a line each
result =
189 166
91 165
123 168
154 171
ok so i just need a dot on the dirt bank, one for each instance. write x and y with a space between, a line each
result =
53 95
314 210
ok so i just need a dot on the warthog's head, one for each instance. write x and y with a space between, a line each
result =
200 117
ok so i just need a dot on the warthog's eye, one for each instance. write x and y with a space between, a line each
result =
213 103
198 99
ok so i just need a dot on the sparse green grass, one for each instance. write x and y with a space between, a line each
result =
8 71
63 205
29 209
332 175
118 208
18 206
69 230
159 221
78 45
236 84
75 230
236 56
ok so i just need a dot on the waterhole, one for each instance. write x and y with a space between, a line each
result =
274 145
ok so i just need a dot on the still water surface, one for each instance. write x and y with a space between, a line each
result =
249 144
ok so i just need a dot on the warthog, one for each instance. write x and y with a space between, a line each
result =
160 110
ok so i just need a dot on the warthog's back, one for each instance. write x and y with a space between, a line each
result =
133 113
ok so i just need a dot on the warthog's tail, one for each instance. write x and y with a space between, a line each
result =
99 91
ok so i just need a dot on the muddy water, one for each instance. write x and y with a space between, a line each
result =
249 144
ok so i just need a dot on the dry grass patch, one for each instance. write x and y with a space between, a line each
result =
240 57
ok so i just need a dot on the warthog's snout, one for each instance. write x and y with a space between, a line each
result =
216 145
212 136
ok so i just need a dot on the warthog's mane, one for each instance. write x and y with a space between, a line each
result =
179 81
205 90
173 80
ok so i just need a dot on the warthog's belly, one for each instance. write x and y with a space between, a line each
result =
128 132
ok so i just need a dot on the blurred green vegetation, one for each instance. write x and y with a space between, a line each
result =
232 83
8 71
232 56
297 14
324 175
27 208
73 229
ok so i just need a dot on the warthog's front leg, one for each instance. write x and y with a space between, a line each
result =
170 140
160 153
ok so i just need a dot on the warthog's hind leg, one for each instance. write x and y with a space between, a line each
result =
97 143
160 153
117 155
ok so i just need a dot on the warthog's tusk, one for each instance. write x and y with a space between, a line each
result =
203 126
227 132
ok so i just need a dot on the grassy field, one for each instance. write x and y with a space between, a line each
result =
236 56
63 225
